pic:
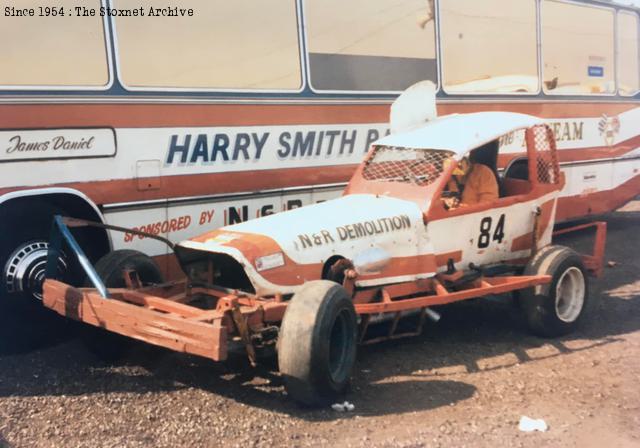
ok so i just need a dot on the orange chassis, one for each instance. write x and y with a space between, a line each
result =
172 315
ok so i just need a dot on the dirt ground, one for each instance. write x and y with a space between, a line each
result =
465 382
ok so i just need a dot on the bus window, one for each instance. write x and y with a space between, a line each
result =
489 46
628 54
370 45
577 49
239 44
52 51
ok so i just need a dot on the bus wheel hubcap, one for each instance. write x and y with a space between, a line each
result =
25 269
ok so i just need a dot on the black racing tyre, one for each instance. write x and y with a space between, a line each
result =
106 345
317 343
518 294
111 266
557 308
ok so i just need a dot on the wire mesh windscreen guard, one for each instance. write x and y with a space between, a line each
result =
405 165
542 137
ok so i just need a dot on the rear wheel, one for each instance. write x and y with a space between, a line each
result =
106 345
317 343
556 308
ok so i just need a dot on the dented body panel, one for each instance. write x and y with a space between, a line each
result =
309 236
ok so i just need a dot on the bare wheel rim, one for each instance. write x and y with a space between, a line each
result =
570 291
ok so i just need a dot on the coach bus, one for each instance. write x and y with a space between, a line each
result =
175 118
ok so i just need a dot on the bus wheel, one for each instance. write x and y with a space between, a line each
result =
556 308
317 343
23 255
106 345
25 268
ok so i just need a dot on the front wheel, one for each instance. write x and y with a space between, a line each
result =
317 343
556 309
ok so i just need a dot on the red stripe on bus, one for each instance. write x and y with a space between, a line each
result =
24 116
203 184
127 190
582 154
582 205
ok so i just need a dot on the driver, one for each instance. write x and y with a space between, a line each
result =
476 182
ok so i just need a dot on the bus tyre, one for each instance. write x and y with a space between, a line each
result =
106 345
23 255
317 343
556 308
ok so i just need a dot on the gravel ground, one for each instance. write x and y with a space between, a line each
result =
465 382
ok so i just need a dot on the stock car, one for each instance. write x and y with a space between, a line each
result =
312 282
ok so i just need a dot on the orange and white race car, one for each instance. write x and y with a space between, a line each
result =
312 281
393 215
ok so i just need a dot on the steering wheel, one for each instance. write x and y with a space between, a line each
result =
451 194
448 205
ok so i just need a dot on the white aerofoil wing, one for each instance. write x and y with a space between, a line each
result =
414 107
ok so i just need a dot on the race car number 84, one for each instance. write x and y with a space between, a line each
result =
486 226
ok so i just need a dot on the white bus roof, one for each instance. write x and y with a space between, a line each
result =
461 132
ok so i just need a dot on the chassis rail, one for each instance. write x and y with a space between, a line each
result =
202 319
594 262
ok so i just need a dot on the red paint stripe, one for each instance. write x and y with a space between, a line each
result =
291 274
178 115
24 116
525 241
113 191
600 152
581 206
126 190
551 109
443 259
582 154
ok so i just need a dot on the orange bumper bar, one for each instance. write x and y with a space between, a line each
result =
151 319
